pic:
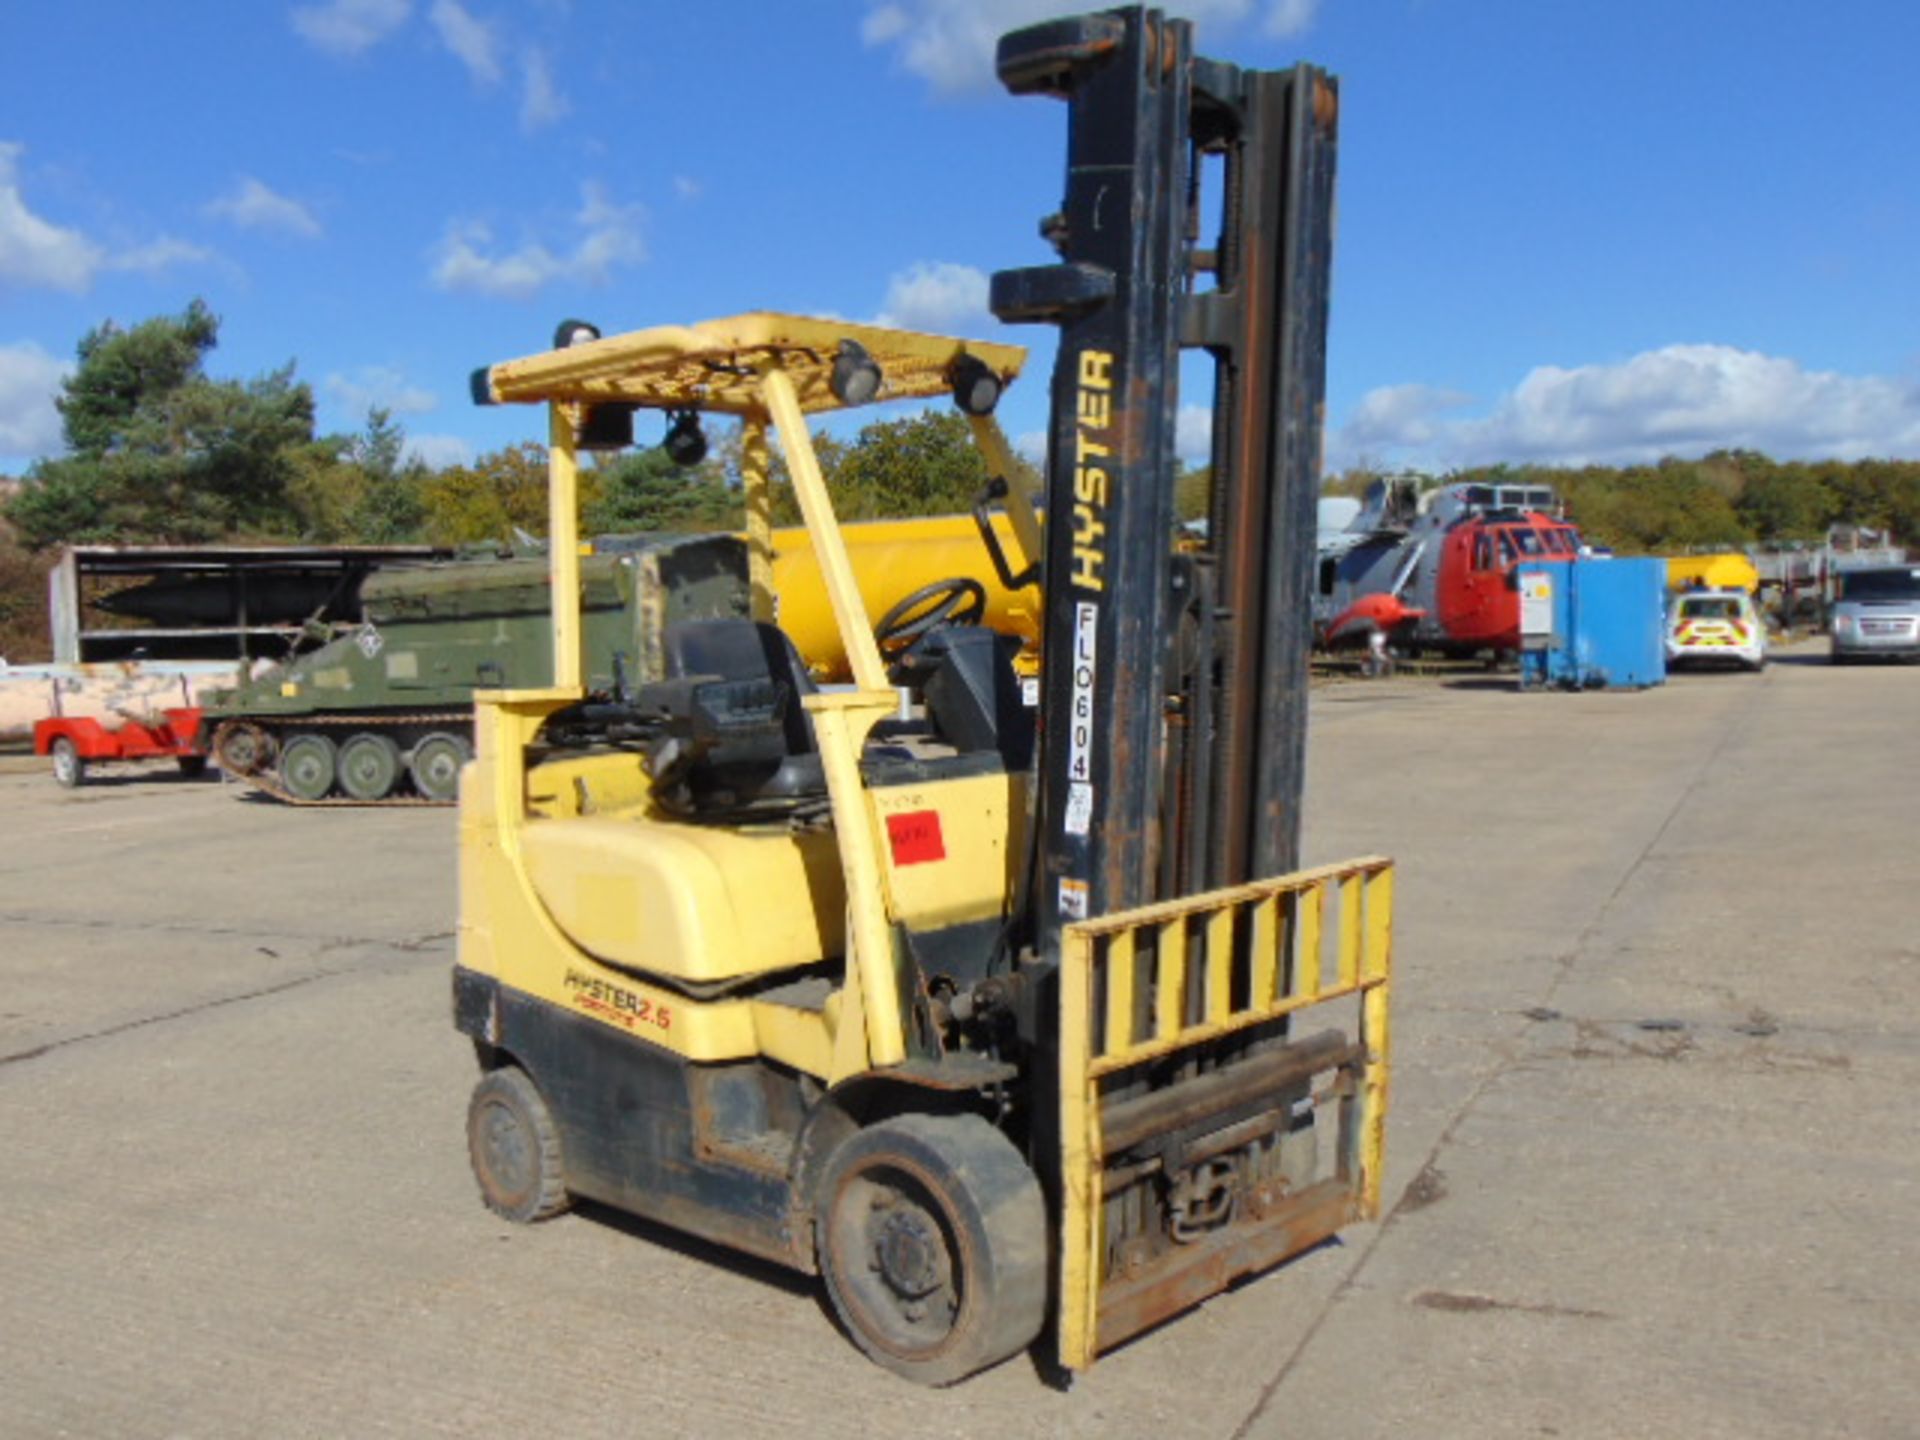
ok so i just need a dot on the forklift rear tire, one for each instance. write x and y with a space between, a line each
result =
933 1239
515 1148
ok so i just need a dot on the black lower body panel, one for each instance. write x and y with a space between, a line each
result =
627 1131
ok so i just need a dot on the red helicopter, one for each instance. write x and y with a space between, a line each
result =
1435 571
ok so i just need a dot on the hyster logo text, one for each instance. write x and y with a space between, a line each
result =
1093 415
615 1003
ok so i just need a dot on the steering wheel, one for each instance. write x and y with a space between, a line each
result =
957 600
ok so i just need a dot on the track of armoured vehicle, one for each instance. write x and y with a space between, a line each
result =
384 715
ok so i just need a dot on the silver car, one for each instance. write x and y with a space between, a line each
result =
1877 612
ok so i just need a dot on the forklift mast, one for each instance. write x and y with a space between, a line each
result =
1173 735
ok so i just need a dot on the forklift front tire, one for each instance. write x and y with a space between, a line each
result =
933 1239
515 1148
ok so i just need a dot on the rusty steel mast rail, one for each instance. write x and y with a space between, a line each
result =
1173 725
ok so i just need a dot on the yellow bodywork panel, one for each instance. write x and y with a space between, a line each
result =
607 784
507 932
952 847
699 903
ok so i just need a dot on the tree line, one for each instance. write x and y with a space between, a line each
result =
160 452
1730 499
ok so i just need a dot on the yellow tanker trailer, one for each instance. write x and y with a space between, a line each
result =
922 572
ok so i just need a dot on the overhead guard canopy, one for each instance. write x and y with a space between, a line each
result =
714 366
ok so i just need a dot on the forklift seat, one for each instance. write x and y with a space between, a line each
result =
745 650
753 660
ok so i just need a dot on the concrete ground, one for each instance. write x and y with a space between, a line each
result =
1654 1160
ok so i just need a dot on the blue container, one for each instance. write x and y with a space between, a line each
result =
1589 624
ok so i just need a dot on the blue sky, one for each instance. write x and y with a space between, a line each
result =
1568 231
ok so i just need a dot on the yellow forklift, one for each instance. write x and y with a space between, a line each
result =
992 1013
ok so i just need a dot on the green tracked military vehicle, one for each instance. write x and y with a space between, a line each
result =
384 715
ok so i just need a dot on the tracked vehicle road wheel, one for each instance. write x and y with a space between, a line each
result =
369 766
515 1148
933 1239
242 748
436 763
69 770
308 766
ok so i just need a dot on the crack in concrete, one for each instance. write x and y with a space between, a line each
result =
1465 1304
324 942
412 946
1504 1065
216 1003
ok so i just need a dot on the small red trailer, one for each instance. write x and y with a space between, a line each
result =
77 741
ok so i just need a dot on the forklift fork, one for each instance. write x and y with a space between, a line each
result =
1179 1106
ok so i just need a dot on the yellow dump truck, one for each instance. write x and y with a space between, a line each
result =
1727 571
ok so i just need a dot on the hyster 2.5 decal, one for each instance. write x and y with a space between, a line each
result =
616 1002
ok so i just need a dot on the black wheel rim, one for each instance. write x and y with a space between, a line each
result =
898 1265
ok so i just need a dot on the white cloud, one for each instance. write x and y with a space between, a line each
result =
473 42
379 387
437 452
156 255
36 252
610 236
938 296
540 103
687 188
1398 416
1678 400
950 43
29 379
1193 433
254 206
883 24
1287 18
347 27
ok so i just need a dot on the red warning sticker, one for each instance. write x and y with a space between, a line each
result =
916 837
